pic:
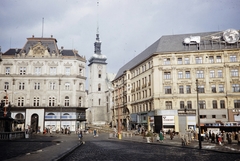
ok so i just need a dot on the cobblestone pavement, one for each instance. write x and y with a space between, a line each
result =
206 145
60 147
103 148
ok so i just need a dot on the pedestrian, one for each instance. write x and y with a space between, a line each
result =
219 139
171 135
80 136
224 136
94 133
213 138
210 134
161 136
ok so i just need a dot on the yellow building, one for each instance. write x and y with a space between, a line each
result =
157 89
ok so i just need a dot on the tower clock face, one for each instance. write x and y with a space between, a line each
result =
99 66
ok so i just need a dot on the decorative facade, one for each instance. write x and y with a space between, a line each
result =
157 89
45 85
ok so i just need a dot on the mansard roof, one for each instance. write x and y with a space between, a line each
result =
48 43
209 41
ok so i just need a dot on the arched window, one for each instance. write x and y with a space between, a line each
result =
20 101
80 101
19 116
52 101
99 74
36 101
66 101
99 87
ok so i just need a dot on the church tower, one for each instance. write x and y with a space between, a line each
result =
97 85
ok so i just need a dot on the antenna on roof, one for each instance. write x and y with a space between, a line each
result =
42 25
97 17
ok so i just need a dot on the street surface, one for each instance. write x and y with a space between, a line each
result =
103 149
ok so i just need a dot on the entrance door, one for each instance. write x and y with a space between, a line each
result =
34 123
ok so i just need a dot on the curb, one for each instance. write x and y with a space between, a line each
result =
67 153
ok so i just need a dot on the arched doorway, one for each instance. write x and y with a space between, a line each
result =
34 123
19 122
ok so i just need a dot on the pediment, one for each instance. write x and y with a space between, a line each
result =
22 64
52 63
38 50
67 64
37 63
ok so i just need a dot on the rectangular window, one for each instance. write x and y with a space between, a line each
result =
52 85
213 87
168 104
198 60
221 88
6 85
67 86
222 104
234 73
181 104
7 70
187 60
201 89
235 88
36 86
200 74
211 59
203 116
189 104
181 89
220 74
53 70
21 85
219 59
168 90
180 75
187 75
213 116
236 103
212 73
214 104
233 58
67 71
167 61
167 75
38 70
180 61
202 105
188 89
22 71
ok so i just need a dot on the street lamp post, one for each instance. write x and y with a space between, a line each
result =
6 104
119 135
199 127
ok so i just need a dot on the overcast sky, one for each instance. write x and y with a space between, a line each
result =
126 27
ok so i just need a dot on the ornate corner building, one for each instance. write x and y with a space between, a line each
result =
157 89
45 85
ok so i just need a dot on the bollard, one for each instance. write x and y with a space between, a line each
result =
119 136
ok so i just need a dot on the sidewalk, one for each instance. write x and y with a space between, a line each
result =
228 148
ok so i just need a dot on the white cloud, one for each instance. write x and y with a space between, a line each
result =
126 27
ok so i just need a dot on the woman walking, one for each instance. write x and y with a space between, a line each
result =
161 137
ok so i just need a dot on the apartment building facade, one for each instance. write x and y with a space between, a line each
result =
45 85
161 83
